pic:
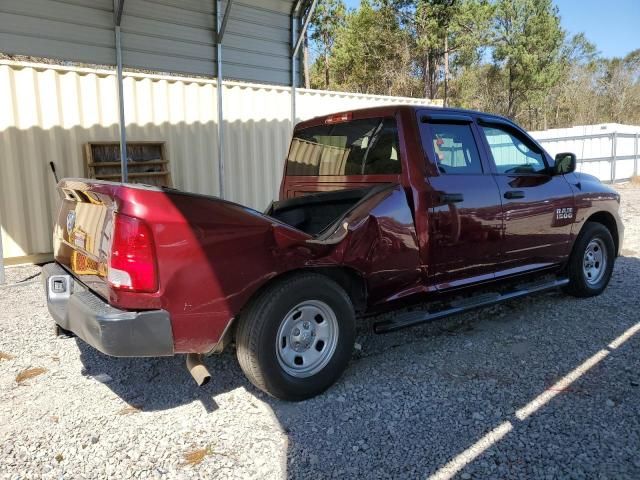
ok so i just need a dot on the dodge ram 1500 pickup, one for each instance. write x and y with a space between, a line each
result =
442 209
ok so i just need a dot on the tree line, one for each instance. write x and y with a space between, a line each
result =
510 57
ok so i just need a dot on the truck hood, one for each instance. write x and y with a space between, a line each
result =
589 184
585 177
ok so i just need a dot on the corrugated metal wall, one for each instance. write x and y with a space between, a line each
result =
49 112
159 35
257 43
80 30
169 36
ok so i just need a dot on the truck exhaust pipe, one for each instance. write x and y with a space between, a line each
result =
197 369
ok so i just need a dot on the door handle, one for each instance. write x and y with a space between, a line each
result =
511 194
451 197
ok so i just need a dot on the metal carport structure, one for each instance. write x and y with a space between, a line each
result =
184 37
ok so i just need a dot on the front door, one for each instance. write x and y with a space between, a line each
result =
465 221
538 207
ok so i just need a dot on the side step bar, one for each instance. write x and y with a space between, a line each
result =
410 319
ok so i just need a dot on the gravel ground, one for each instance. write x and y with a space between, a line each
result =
443 399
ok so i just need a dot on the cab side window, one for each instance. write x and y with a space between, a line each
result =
455 149
511 154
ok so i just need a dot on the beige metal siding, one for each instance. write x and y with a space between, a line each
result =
49 112
315 103
256 130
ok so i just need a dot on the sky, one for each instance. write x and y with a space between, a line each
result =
611 25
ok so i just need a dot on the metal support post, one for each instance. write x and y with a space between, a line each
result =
221 26
635 156
296 40
294 70
118 5
614 145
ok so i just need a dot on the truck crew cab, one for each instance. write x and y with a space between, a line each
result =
378 209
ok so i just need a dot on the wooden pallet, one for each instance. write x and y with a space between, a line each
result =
147 162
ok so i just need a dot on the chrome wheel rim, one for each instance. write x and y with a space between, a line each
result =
307 338
594 263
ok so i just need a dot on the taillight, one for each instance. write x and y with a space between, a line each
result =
132 265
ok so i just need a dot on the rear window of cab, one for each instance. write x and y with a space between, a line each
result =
360 147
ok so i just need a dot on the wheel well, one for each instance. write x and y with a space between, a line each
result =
606 219
350 280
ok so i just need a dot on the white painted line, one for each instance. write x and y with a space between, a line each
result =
470 454
561 385
625 336
573 375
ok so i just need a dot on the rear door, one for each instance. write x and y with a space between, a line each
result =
538 207
465 212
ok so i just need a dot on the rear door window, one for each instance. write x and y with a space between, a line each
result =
361 147
454 147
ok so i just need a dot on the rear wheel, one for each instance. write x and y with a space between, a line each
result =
591 262
296 337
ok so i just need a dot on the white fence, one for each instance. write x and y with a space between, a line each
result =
609 151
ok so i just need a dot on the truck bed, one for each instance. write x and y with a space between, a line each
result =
313 213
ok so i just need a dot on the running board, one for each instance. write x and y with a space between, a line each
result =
410 319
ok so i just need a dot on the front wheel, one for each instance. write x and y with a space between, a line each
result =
296 338
591 262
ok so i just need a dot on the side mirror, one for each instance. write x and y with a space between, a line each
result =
565 163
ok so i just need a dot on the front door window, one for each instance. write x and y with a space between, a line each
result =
511 154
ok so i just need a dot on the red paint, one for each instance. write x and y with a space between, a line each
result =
404 242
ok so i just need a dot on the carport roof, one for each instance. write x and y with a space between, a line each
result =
161 35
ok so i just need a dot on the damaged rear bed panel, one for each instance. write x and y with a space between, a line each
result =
234 250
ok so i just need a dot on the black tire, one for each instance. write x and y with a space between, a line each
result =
579 283
259 326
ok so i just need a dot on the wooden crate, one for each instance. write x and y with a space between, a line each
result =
147 162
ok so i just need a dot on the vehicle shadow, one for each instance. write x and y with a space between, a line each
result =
448 398
153 384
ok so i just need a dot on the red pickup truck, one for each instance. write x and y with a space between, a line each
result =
378 209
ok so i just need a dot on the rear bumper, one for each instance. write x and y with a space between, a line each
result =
115 332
